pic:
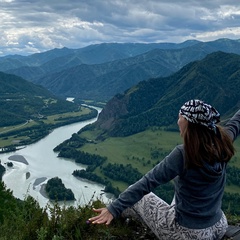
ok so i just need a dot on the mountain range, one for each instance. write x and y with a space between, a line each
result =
100 71
156 102
143 84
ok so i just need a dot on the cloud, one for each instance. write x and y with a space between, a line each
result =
29 26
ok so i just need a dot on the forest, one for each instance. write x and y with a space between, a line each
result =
56 190
120 172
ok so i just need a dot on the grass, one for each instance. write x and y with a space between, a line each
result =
14 127
6 141
232 189
136 149
236 159
52 119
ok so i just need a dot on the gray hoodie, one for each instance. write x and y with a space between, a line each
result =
198 191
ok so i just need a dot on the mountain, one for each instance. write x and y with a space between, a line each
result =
57 67
22 100
92 54
102 81
156 102
99 72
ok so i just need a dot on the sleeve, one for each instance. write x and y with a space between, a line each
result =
233 125
165 171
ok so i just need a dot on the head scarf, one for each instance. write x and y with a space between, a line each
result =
196 111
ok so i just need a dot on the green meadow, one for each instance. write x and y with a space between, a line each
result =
52 119
143 151
14 137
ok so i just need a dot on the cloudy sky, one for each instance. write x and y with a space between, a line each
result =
31 26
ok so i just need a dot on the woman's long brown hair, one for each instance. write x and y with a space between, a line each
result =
202 144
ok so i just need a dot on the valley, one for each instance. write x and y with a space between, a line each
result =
33 130
140 89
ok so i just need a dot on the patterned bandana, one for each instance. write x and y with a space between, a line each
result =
196 111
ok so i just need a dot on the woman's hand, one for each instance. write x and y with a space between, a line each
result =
104 217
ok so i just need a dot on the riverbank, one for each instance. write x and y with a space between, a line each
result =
17 137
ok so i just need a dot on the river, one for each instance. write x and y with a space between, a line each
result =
42 164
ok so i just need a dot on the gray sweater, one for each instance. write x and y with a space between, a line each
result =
198 191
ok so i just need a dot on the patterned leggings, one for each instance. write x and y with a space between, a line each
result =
160 218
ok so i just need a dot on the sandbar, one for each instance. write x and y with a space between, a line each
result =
18 158
39 180
43 191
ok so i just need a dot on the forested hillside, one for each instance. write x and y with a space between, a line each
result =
21 101
100 71
215 79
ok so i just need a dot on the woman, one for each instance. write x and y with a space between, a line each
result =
198 168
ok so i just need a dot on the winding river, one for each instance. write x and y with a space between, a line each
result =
42 164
